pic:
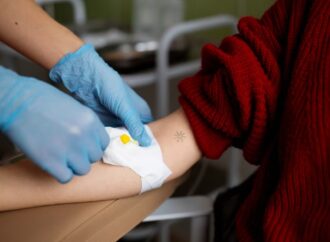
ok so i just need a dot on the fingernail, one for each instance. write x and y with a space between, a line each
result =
145 140
147 119
65 180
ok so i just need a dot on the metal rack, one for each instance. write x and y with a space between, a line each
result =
197 208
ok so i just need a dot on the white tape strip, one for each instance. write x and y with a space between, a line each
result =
147 162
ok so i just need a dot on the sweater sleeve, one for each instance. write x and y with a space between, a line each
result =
233 98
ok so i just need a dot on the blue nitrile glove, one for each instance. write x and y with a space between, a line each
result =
58 133
98 86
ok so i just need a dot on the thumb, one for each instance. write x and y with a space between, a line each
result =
140 105
134 125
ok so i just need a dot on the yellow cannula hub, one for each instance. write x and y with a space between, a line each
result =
125 138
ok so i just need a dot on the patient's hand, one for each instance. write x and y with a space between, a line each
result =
103 182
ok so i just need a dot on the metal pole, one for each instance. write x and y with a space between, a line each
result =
200 229
162 85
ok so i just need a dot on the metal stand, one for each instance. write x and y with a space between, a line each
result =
163 70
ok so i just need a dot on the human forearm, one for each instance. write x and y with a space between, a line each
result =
177 142
25 185
36 188
27 28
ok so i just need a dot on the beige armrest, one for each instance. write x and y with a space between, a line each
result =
93 221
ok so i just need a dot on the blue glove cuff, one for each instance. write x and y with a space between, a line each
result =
71 63
15 96
84 48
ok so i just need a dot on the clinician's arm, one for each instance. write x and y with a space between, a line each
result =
24 185
27 28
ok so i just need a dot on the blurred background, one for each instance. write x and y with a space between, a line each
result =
153 44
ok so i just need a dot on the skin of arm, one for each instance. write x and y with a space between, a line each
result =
25 27
24 185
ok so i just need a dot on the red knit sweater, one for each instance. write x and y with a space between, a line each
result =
267 91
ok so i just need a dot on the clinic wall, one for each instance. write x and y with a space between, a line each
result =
120 11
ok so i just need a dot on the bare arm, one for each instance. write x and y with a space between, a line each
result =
24 185
27 28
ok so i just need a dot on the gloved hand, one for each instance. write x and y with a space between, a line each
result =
98 86
58 133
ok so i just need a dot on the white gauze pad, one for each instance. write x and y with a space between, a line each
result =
147 162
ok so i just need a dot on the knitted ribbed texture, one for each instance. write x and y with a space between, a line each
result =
267 90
